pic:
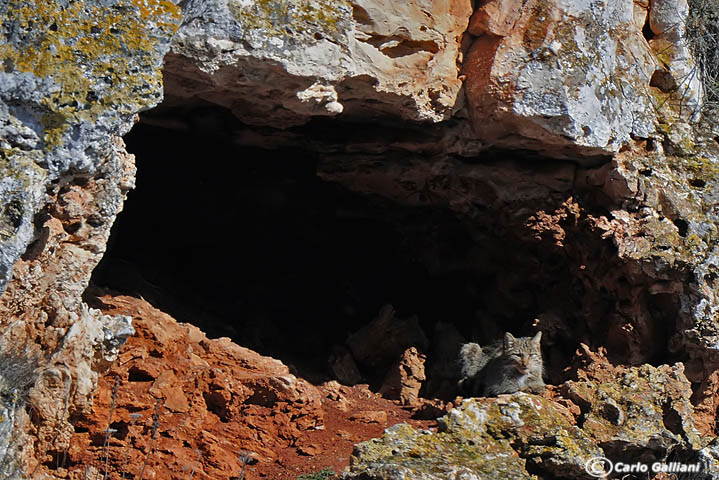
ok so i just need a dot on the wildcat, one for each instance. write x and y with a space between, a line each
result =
508 366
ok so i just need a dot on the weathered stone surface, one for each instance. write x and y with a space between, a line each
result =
709 458
279 63
478 440
495 17
678 78
570 80
78 74
669 223
239 403
706 402
217 396
75 75
640 12
566 79
405 377
43 302
641 411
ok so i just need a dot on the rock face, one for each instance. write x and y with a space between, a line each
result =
75 76
562 78
572 192
215 396
641 413
280 63
218 403
405 378
58 117
609 397
476 441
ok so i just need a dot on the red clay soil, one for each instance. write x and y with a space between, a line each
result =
215 401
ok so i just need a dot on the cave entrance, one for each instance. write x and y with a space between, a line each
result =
249 243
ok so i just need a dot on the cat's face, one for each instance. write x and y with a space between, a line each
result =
523 353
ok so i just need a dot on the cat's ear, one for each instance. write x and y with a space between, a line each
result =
509 341
537 339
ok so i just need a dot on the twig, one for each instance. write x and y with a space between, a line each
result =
155 426
133 418
110 430
197 460
245 458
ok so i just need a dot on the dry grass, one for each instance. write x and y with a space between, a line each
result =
17 374
703 36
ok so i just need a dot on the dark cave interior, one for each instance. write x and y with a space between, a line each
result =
251 244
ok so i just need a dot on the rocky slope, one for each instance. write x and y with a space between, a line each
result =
218 403
505 166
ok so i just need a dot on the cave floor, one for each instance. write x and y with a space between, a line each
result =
204 411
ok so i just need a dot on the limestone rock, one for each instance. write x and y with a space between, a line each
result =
567 79
43 303
570 80
640 12
666 18
476 440
279 63
678 75
216 396
369 416
673 227
643 410
56 116
709 458
495 17
706 402
75 76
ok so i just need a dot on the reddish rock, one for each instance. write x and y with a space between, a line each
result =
309 449
215 397
706 404
334 392
405 378
370 416
165 387
220 401
495 17
430 409
607 396
540 76
589 365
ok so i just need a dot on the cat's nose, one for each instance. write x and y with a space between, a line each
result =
523 367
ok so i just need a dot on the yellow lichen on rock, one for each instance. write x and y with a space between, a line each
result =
81 48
